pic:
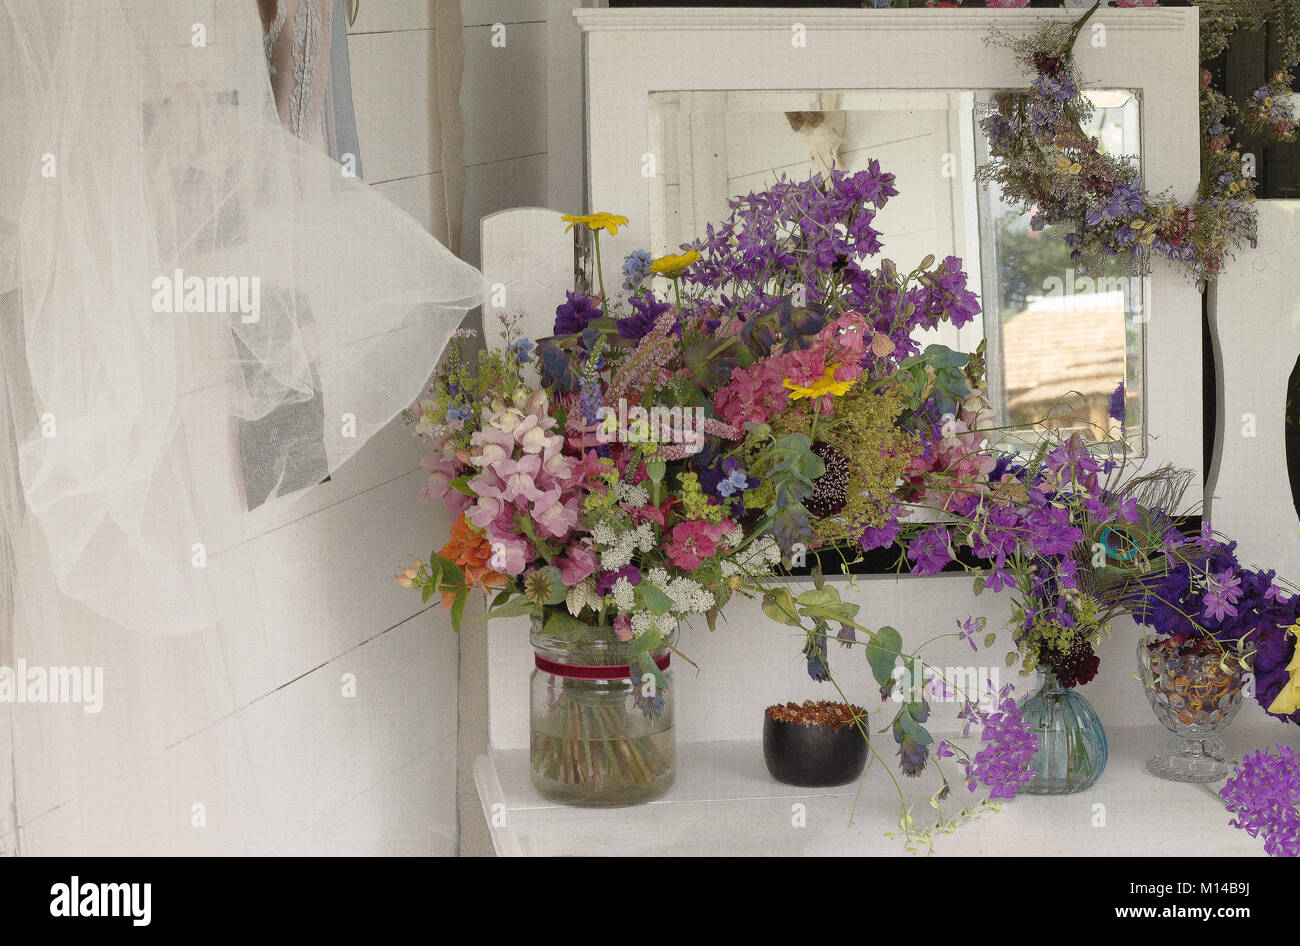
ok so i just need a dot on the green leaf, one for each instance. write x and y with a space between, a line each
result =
426 593
501 599
914 730
780 606
941 356
1012 657
655 599
461 485
559 624
450 571
513 608
458 608
882 651
990 639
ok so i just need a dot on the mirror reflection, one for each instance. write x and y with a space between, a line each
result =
1059 341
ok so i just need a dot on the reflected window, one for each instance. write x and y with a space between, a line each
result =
1059 341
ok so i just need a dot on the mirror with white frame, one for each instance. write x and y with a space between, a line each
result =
1059 343
689 110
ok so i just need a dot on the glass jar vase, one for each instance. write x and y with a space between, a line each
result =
1195 693
591 744
1072 748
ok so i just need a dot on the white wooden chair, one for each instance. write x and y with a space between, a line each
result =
527 266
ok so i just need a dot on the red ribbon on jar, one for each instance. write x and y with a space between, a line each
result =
583 672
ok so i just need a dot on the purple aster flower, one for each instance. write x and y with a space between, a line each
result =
576 314
1264 797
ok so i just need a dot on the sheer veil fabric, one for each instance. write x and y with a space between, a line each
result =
173 263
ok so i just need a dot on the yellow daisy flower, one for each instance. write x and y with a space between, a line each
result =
597 221
827 385
673 265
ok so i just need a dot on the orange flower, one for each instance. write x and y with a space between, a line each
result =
471 552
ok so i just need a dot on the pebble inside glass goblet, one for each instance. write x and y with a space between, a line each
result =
1195 691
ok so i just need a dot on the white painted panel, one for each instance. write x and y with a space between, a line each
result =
481 12
326 582
403 815
156 817
313 750
503 94
393 96
71 753
386 16
1257 323
519 182
423 198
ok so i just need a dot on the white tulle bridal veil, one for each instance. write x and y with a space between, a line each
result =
200 315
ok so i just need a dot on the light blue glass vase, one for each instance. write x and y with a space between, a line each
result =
1071 743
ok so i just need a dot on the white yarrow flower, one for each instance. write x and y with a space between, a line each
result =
624 594
635 496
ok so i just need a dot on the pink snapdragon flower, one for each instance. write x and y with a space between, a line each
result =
556 514
442 468
578 562
520 478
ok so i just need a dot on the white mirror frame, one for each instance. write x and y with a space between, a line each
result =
633 52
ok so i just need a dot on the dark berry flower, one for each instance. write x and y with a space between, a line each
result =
830 491
1076 666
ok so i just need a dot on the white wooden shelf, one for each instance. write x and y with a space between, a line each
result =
724 802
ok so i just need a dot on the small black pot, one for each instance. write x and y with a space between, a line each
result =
813 756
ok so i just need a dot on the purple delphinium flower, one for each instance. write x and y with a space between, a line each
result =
930 551
736 481
576 314
968 629
879 537
522 348
815 652
1003 764
646 313
590 399
1264 797
636 267
1117 409
1221 594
